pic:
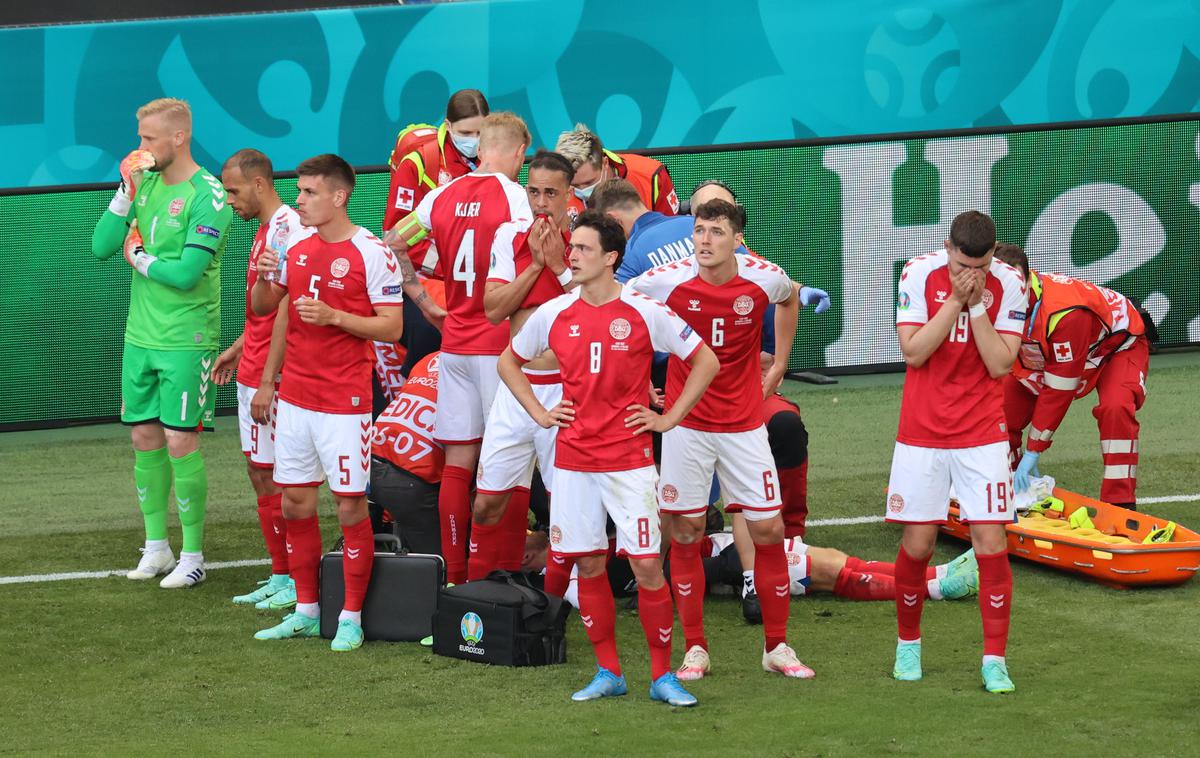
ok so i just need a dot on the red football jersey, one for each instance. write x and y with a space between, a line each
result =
730 319
604 353
329 369
464 217
404 431
951 401
513 257
257 341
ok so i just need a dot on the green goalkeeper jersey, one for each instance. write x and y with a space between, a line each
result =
171 218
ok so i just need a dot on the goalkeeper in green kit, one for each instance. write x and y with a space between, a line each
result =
171 220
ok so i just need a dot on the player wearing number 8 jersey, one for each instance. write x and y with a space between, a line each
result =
723 297
604 335
959 318
463 218
343 285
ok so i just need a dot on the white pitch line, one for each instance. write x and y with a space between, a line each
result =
35 578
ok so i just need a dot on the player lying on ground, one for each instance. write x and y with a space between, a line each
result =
810 569
604 335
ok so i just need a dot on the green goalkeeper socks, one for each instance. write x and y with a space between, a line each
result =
191 495
152 477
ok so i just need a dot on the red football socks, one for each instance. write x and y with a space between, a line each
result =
485 539
454 510
910 594
304 556
995 600
274 531
515 526
881 567
658 619
687 581
597 610
793 491
358 555
774 591
858 585
558 572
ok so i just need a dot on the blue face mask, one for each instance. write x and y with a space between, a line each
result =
468 147
586 192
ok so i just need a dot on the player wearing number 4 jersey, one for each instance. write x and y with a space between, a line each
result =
463 218
723 297
959 318
603 335
177 221
344 290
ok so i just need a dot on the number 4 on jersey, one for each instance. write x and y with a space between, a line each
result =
464 262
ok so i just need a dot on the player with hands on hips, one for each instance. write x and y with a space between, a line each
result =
604 335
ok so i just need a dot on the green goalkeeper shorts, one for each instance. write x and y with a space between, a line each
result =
171 387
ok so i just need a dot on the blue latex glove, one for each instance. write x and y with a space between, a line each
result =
810 295
1026 468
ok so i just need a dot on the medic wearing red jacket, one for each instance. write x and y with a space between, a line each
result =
593 164
1078 336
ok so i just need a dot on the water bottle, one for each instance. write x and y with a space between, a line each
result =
280 247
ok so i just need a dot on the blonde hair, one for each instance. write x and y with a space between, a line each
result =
504 128
580 146
174 110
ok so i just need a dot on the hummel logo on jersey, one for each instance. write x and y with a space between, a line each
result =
352 553
664 635
693 305
910 600
302 259
940 297
573 331
587 621
184 504
997 601
142 494
684 589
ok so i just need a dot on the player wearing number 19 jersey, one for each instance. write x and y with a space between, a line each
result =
723 297
604 335
959 318
463 218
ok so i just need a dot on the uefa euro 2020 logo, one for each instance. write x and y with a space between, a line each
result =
471 628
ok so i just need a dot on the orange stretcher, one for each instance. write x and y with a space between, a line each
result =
1108 550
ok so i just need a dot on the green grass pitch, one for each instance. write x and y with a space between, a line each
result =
113 667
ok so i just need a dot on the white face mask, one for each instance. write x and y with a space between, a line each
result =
585 192
468 147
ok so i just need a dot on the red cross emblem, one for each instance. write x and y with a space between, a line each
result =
1062 352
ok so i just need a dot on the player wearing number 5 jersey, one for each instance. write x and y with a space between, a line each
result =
343 287
177 220
463 217
604 335
723 297
959 317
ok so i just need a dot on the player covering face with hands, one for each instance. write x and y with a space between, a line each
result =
604 335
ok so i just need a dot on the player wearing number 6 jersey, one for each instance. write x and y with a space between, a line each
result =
723 297
604 335
463 218
343 287
959 317
177 221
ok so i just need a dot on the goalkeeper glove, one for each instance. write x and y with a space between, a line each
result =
135 252
131 169
810 295
1027 467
